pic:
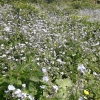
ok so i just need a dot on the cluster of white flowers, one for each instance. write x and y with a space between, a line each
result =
17 93
45 77
94 15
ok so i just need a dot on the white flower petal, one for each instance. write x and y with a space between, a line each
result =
81 68
45 78
11 87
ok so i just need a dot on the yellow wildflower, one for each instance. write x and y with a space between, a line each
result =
86 92
55 45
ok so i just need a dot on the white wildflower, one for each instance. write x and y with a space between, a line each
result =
24 95
24 85
44 30
38 63
9 57
16 59
3 55
81 68
18 93
44 70
49 67
37 59
42 86
96 44
23 58
7 29
80 98
95 74
47 96
55 88
2 45
11 87
6 91
59 60
62 73
22 51
45 78
6 38
7 52
30 97
52 62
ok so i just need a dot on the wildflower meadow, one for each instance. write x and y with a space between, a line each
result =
49 50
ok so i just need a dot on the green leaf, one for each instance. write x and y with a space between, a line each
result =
63 83
33 78
72 97
19 82
12 80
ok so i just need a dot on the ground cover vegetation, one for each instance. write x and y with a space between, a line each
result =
49 50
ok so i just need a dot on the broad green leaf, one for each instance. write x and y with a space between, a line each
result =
19 82
63 83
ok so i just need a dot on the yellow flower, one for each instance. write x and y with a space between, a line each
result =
55 45
86 92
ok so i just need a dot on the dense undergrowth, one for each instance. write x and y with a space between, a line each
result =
48 51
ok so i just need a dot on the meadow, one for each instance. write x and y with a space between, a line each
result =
49 51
